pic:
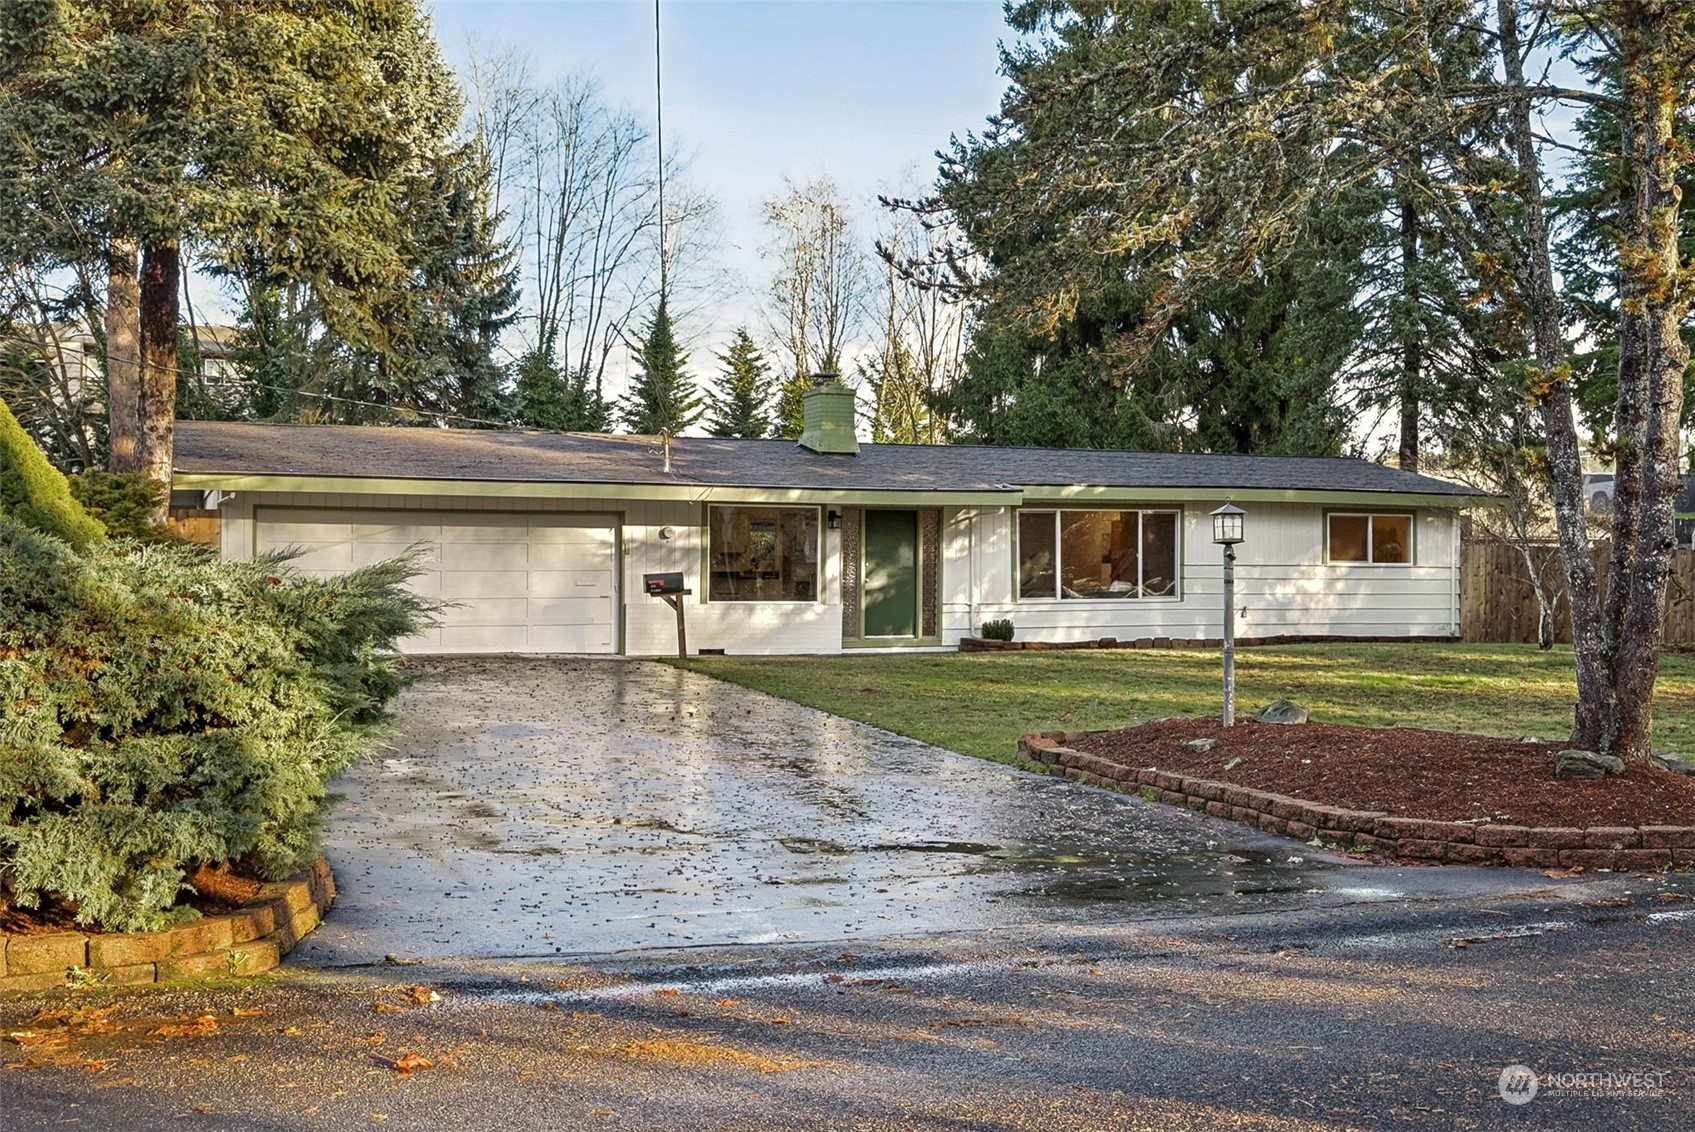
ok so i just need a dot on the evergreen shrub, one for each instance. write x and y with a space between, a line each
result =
160 708
1000 630
34 492
122 503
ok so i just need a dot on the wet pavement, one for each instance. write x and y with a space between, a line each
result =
538 807
649 900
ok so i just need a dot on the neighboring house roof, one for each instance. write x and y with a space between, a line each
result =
213 341
208 451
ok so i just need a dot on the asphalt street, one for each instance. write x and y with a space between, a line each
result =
1370 1016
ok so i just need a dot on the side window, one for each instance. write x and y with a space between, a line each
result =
1384 539
1038 554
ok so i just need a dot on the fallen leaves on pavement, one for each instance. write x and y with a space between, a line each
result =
700 1055
203 1026
406 1062
417 994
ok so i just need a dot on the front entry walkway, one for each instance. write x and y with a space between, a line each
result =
533 807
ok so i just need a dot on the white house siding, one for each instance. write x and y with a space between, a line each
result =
649 627
734 626
1283 584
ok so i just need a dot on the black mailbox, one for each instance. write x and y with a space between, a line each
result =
663 583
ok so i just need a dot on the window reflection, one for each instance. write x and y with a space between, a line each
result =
1370 538
763 553
1097 554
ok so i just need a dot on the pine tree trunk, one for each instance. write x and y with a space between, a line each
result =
123 345
156 402
1595 705
1412 345
1650 284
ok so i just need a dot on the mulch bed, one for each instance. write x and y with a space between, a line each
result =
1403 772
216 891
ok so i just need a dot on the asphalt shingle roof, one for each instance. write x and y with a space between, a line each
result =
219 447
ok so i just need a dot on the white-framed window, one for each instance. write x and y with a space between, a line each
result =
1376 537
1098 554
762 553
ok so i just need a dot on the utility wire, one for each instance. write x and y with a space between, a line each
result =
397 410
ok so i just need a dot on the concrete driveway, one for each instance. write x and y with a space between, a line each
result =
540 807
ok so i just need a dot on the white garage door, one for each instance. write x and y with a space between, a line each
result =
518 582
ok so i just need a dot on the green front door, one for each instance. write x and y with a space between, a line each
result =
889 593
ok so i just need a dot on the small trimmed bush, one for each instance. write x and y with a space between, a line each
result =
1000 630
33 492
122 503
160 709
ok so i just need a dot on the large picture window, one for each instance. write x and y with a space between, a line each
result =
1370 538
1097 554
762 553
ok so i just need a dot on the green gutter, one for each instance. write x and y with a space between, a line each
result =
1038 496
504 489
701 493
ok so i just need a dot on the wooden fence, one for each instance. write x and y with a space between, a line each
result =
1498 604
196 525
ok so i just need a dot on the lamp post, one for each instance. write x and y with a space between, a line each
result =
1227 532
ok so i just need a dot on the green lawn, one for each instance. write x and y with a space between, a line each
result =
979 703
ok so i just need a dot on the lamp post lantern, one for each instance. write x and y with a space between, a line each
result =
1227 524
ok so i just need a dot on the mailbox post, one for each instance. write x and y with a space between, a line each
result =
669 589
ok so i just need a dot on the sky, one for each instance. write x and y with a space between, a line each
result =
864 92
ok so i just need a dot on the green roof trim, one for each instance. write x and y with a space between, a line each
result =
700 493
1068 496
502 489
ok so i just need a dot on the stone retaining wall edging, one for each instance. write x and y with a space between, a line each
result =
1620 848
252 939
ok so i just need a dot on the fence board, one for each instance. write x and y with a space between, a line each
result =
1498 604
196 525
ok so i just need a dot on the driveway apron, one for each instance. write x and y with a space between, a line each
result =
533 807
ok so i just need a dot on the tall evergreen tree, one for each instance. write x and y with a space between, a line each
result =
278 137
1249 363
1588 209
740 404
1252 367
788 415
465 294
548 398
662 397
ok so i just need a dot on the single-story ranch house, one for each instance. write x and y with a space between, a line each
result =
541 540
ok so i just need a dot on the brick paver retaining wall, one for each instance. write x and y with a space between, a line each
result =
252 939
1649 847
981 644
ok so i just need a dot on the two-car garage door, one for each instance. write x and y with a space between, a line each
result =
518 582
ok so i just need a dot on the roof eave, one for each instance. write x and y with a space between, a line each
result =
513 489
1084 493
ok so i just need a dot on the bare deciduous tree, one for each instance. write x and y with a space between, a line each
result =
577 182
819 283
923 337
50 374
